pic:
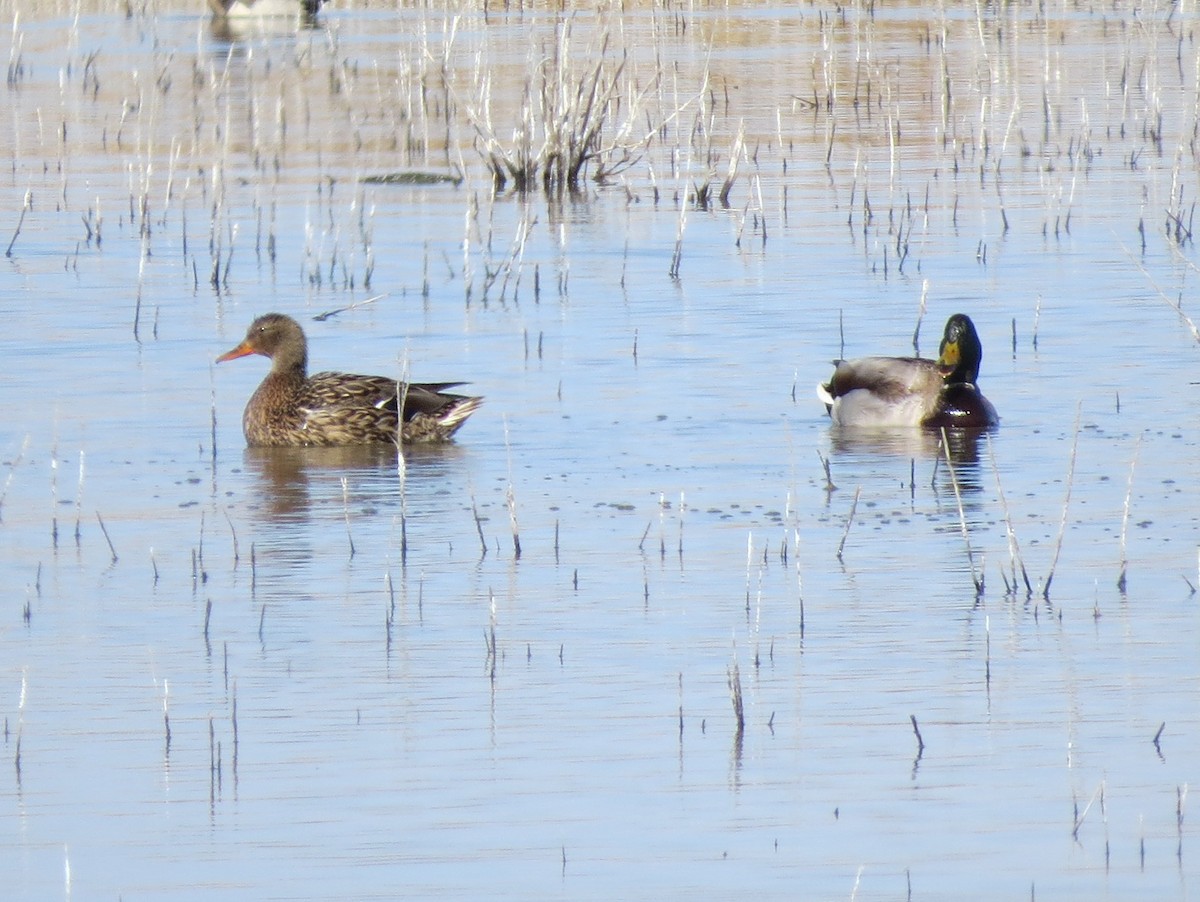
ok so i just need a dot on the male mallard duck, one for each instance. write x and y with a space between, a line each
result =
292 408
913 391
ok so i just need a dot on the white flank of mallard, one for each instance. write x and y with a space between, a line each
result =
891 392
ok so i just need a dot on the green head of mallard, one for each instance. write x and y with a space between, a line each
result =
961 352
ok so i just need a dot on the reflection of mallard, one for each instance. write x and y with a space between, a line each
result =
246 9
913 391
291 407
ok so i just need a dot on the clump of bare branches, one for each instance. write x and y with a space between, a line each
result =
580 116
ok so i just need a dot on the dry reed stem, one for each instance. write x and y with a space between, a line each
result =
734 678
510 495
25 207
166 720
829 486
1014 548
234 723
489 638
849 522
677 254
976 576
1125 517
12 470
233 536
79 501
920 316
1062 528
1080 816
346 512
987 652
736 151
483 548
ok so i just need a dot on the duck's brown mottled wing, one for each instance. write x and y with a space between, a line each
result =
346 409
343 408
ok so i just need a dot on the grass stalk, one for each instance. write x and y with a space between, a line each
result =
489 638
483 549
849 522
987 660
11 472
1062 528
920 317
510 498
829 485
166 720
735 696
25 207
234 723
79 501
233 535
1125 519
976 576
1014 548
346 512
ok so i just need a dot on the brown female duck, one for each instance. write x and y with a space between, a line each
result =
291 407
882 392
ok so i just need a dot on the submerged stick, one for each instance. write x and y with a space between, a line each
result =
111 549
917 731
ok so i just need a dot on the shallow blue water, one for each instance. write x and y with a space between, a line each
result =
364 702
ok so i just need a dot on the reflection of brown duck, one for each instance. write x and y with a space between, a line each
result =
292 408
886 392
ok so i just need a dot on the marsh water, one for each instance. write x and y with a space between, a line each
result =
506 668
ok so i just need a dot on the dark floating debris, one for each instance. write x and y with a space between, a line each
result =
413 178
